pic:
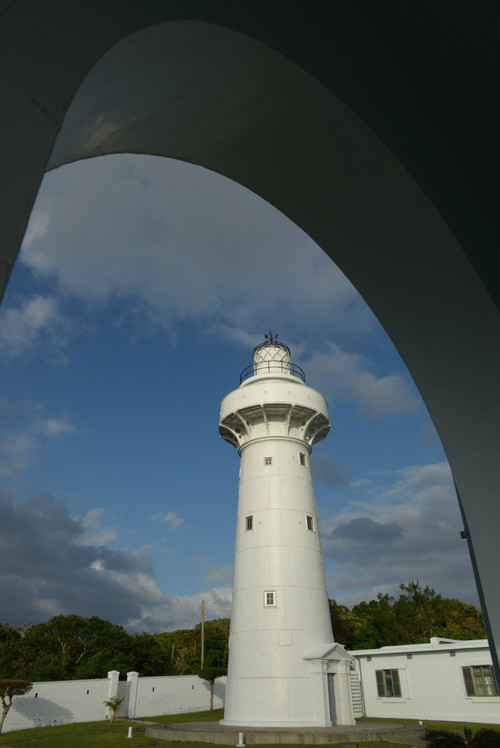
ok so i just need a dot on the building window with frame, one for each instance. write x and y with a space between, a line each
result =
270 599
268 460
249 522
310 523
480 680
302 459
388 684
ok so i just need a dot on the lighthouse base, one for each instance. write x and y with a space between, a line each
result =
319 697
214 732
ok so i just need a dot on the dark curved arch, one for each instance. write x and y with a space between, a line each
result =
341 127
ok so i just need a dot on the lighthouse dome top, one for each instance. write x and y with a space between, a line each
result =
272 358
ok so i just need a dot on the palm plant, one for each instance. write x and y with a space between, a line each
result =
484 738
114 704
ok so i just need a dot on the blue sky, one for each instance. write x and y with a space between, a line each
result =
141 289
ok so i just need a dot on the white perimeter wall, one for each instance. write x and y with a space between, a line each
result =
431 679
64 702
432 684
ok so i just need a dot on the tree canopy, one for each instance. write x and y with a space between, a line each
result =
411 617
74 647
70 647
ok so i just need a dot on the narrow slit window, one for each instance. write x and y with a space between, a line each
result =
310 523
268 460
302 458
249 522
270 599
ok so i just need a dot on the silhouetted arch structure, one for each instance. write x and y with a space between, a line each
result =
372 125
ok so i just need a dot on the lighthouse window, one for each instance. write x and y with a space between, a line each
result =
249 522
270 599
310 523
302 458
268 460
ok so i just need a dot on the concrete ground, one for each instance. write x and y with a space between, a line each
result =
213 732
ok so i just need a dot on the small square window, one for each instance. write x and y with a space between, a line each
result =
270 599
268 460
310 523
249 522
302 458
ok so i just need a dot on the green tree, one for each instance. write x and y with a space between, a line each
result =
8 689
114 704
182 649
150 658
377 623
11 663
67 647
216 652
414 616
345 624
211 673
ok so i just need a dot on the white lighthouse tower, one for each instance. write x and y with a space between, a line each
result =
284 667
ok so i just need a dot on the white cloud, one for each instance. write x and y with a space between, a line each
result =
57 426
17 452
22 433
94 534
182 243
350 377
214 573
92 518
37 320
170 518
47 566
398 528
37 228
428 434
181 611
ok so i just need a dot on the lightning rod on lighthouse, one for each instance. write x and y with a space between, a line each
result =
284 665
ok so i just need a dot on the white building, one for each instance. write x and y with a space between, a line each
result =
445 679
284 666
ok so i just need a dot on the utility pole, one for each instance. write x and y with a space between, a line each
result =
202 632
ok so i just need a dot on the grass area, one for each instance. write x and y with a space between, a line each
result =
432 725
81 735
104 733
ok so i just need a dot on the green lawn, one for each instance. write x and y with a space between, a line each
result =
450 726
79 735
104 733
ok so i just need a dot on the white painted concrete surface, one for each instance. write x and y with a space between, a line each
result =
432 681
67 702
284 667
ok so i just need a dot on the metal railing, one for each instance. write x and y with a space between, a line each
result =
273 367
